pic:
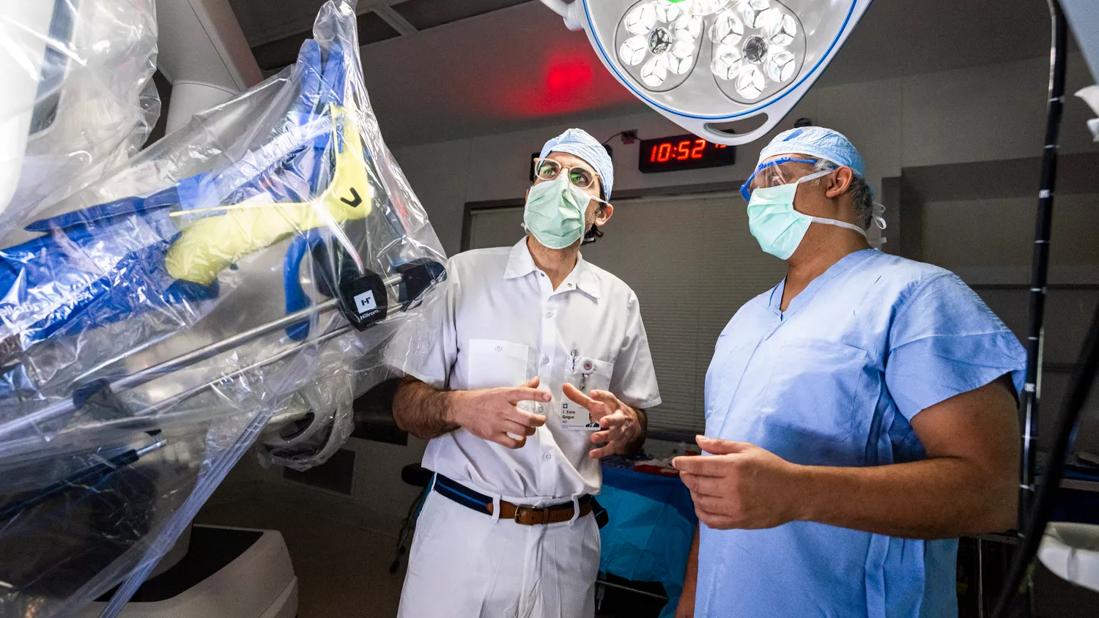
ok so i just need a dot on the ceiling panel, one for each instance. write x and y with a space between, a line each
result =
426 14
264 21
276 54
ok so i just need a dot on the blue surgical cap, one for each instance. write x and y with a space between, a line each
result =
580 143
818 142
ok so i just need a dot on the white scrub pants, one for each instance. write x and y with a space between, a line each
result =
467 564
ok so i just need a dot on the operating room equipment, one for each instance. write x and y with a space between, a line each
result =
1090 95
412 283
91 474
206 580
706 63
72 107
1083 15
229 285
1071 550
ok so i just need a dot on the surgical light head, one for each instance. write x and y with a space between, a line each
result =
580 143
706 63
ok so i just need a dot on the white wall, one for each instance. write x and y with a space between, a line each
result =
1004 227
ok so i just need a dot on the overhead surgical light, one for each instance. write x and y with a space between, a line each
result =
707 63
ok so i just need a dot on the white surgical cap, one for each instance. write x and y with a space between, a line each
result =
818 142
580 143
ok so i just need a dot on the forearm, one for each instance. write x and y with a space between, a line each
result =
422 410
934 498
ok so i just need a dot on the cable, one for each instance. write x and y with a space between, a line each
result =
1031 506
604 142
89 476
1082 381
1040 261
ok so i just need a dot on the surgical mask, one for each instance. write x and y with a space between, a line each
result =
554 212
779 228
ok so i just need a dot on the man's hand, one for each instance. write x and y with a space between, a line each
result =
740 485
620 426
493 413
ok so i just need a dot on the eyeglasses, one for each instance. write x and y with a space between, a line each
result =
771 174
548 169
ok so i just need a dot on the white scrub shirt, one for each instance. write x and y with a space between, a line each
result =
501 323
836 380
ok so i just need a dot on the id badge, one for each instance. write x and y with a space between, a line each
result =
575 417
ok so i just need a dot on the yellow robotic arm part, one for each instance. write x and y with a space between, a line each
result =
209 245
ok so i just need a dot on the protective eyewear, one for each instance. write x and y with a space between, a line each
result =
548 169
771 174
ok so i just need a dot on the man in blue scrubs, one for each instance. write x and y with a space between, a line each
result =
860 415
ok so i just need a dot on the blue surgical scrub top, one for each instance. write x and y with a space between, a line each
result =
836 380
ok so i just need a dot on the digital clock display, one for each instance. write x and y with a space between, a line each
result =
682 152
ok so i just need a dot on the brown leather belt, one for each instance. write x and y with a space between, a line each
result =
533 516
525 515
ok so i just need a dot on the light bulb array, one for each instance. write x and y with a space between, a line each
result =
756 47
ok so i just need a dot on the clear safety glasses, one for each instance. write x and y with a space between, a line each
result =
771 174
548 169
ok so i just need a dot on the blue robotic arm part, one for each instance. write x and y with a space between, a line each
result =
106 263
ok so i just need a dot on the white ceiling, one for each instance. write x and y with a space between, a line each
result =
519 68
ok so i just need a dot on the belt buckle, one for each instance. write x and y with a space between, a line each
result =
544 511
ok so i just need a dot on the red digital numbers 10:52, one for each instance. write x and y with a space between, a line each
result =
682 152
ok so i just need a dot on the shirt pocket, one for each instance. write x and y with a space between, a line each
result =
818 405
495 362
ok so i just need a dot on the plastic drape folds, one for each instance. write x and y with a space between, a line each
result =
78 96
243 270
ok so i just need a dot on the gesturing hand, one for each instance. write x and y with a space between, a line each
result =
493 413
619 424
740 485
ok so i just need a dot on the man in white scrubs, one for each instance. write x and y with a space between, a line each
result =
539 368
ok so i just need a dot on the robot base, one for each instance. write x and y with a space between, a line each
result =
227 572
